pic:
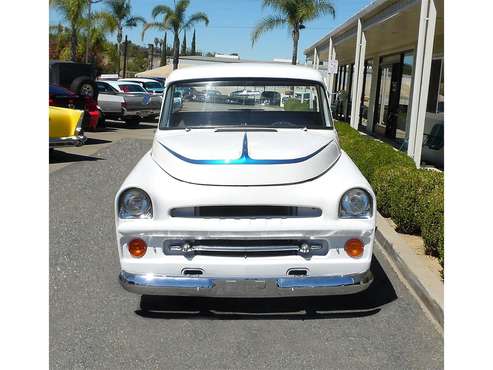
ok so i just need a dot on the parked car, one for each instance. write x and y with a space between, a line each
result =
246 97
77 77
245 202
270 97
149 85
177 100
433 139
61 97
161 80
209 96
65 127
127 101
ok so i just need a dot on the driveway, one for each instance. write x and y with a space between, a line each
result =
95 324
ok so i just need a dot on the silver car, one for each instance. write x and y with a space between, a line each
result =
127 101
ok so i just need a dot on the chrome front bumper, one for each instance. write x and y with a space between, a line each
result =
143 113
288 286
76 140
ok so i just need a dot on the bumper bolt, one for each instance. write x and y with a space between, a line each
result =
304 249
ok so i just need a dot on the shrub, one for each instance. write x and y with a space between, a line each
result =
412 197
384 180
369 154
403 196
430 180
295 105
432 225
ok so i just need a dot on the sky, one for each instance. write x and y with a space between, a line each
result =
231 23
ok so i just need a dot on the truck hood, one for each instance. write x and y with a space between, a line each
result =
238 157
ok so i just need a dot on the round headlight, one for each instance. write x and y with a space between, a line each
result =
135 203
355 203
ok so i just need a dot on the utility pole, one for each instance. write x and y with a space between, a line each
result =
151 46
125 44
89 15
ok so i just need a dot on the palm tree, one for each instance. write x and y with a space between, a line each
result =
184 44
121 10
164 57
193 46
100 24
292 13
72 11
176 21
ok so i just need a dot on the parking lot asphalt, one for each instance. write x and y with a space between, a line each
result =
95 324
115 131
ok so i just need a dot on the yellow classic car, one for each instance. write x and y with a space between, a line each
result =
65 127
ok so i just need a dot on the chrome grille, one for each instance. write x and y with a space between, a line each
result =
254 247
246 211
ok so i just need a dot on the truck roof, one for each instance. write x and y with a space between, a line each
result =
246 70
116 84
140 79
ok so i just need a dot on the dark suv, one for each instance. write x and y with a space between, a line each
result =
77 77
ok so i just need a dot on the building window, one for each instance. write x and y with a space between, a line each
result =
435 91
405 95
365 94
349 89
393 97
433 138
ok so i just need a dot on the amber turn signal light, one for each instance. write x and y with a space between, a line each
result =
354 247
137 247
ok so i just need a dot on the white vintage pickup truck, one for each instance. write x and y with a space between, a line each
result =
245 198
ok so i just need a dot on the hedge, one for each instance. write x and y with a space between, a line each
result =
412 197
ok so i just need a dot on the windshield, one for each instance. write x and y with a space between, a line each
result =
153 85
131 88
251 103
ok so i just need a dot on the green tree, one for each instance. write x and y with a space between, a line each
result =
59 39
184 44
72 12
137 64
121 11
176 21
100 50
291 13
193 51
100 24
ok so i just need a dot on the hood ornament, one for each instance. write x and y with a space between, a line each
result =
244 157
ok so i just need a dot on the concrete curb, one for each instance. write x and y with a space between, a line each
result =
426 286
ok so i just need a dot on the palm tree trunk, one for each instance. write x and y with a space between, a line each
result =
176 50
163 51
73 45
296 37
119 37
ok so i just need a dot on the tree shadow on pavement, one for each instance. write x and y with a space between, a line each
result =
366 303
57 156
92 141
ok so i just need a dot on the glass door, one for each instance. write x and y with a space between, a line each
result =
387 114
382 108
365 95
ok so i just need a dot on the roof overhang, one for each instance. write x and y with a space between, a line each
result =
388 25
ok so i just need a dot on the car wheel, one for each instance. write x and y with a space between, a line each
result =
84 86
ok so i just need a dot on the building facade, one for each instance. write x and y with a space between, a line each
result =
389 74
